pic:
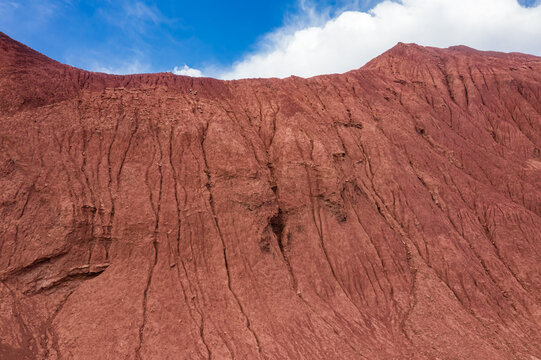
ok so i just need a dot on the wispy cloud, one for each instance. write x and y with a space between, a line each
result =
136 22
102 60
6 6
29 15
124 68
142 11
134 17
322 43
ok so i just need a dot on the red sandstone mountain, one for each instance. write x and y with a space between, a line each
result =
392 212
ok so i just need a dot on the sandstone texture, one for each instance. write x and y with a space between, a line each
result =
392 212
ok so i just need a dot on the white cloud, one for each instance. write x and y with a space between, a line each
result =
352 38
187 71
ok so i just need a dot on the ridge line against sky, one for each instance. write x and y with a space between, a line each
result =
245 39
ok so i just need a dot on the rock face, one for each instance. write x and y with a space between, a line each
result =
390 212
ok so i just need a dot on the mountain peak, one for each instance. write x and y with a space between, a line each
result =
393 212
11 50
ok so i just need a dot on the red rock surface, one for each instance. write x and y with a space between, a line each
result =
390 212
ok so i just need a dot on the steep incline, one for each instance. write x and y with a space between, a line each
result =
387 213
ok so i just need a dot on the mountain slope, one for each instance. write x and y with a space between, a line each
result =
390 212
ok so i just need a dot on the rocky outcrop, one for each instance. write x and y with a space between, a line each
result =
387 213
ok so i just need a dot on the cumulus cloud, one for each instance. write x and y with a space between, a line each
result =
187 71
352 38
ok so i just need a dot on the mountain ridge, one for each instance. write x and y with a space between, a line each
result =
388 212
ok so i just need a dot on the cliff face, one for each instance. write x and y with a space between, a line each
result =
390 212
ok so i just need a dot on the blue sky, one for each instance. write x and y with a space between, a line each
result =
222 38
148 35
